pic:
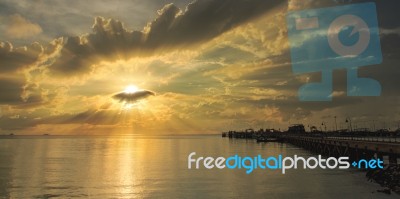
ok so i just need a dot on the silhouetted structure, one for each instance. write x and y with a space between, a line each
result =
296 128
357 143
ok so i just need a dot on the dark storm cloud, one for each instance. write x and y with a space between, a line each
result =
387 12
132 97
10 91
12 59
390 45
201 21
7 9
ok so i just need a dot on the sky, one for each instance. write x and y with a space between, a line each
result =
174 67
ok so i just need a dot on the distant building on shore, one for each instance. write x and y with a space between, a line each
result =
296 128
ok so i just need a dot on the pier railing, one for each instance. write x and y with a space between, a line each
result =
370 139
389 139
356 136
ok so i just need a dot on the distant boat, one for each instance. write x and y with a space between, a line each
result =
11 134
46 134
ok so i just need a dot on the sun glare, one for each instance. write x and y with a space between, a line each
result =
131 89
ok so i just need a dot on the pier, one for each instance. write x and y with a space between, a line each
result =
356 148
355 144
359 144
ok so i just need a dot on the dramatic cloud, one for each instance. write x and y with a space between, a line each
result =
215 64
13 59
173 28
10 91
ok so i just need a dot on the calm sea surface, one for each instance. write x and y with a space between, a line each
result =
156 167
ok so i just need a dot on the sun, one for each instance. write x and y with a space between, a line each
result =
131 97
131 89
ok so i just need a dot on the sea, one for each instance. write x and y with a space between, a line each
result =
145 166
